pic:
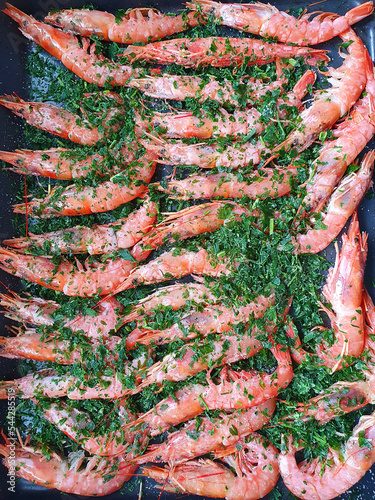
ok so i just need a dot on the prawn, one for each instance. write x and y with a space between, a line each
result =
81 280
315 481
98 477
253 459
347 83
74 200
344 201
218 52
185 125
33 310
82 61
267 21
174 265
102 239
212 319
136 25
199 438
186 223
343 290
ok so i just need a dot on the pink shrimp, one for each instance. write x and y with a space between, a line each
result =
55 120
347 83
83 280
136 25
74 200
315 481
98 478
212 319
186 223
66 47
266 182
60 163
33 310
267 21
344 201
253 460
184 124
174 296
196 439
176 264
218 52
95 240
343 291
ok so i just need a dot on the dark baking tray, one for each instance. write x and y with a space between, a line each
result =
14 49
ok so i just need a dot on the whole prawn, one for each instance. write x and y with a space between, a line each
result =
267 21
136 25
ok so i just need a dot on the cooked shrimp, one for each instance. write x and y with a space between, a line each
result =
136 25
75 200
343 291
266 182
199 438
60 163
344 201
83 280
174 296
176 264
218 52
267 21
33 310
80 60
186 223
98 478
317 480
95 240
212 319
185 125
347 82
254 461
350 138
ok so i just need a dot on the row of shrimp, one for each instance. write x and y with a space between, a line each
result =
243 400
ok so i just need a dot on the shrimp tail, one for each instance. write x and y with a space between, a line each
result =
359 12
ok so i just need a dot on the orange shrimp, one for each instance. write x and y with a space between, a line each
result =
267 21
174 296
347 83
174 265
136 25
266 182
95 240
83 280
343 291
60 163
219 52
185 125
207 155
344 201
74 200
212 319
186 223
82 61
253 460
196 439
98 477
317 480
33 310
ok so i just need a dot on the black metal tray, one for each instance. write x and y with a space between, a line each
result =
14 49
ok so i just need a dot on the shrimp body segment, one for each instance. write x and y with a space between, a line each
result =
255 465
311 481
82 61
218 52
84 280
98 478
137 25
95 240
108 195
267 21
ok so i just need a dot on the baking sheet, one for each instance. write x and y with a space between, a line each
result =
14 48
